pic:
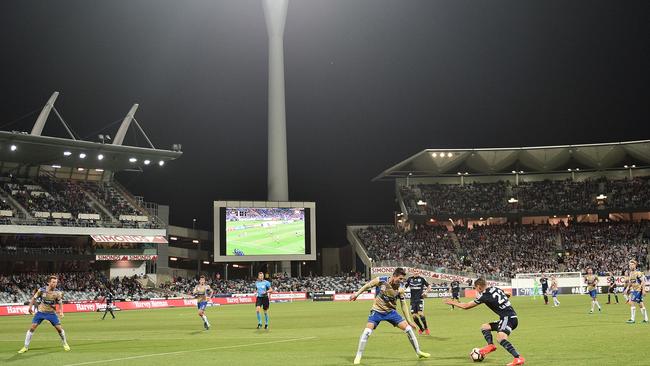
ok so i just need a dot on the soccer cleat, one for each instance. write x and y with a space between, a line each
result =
66 347
645 321
487 349
630 321
423 354
23 350
517 361
266 326
427 332
206 326
591 311
259 326
357 360
420 331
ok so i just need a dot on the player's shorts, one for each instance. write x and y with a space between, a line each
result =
611 290
635 296
50 317
455 295
506 324
392 317
593 293
555 292
544 290
263 302
202 305
417 305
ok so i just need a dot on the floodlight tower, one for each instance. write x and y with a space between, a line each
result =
275 12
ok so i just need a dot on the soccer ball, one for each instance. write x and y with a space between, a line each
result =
476 355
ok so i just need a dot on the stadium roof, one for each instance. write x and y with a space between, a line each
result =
541 159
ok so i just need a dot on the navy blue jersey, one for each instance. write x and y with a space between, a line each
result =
109 298
544 282
455 286
497 300
612 281
417 285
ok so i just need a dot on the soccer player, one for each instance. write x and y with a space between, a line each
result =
611 289
636 284
109 303
544 282
554 290
48 297
419 286
455 291
592 282
202 292
389 291
497 300
262 300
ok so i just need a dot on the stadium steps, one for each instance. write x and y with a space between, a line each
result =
456 241
99 206
122 191
13 203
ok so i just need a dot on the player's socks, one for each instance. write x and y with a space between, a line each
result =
616 297
417 322
63 338
487 334
266 319
598 304
362 344
644 311
206 323
633 313
424 322
28 338
509 347
259 319
412 338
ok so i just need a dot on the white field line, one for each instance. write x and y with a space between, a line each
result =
188 351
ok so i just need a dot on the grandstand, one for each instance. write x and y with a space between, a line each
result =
499 212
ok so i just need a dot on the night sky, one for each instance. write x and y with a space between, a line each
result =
368 83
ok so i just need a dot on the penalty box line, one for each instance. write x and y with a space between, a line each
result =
188 351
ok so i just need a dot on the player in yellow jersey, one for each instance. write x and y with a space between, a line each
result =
388 290
636 286
48 298
202 292
592 289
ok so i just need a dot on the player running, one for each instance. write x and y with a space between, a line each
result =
419 287
611 280
108 297
202 292
455 291
636 285
544 282
592 282
262 300
497 300
48 298
389 290
554 291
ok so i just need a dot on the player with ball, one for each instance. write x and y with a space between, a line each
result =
497 300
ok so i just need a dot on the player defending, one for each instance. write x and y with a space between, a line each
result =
109 303
544 282
389 290
455 291
554 291
611 289
202 293
592 282
262 300
48 298
636 285
419 287
497 300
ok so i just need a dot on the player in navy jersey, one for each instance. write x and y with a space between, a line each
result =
419 287
498 301
454 287
544 282
611 289
108 298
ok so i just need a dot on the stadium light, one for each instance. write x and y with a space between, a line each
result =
174 259
435 155
67 153
521 172
55 166
80 169
625 166
161 163
513 200
173 238
82 155
633 166
235 266
147 162
100 157
99 170
577 169
449 155
459 173
421 203
568 170
410 174
466 173
195 241
514 172
206 262
480 218
133 160
13 148
601 197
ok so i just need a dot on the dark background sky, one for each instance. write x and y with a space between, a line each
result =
368 83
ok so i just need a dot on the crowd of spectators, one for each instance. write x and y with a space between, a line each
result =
554 196
111 199
431 246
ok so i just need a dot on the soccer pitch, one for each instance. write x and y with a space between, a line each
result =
257 240
327 333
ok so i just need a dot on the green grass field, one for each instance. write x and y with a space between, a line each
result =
327 333
276 240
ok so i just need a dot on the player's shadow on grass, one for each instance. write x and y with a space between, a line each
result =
26 356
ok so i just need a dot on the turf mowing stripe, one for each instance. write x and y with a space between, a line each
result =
187 351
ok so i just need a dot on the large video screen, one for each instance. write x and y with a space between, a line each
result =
265 231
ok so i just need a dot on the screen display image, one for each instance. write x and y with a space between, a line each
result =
265 231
